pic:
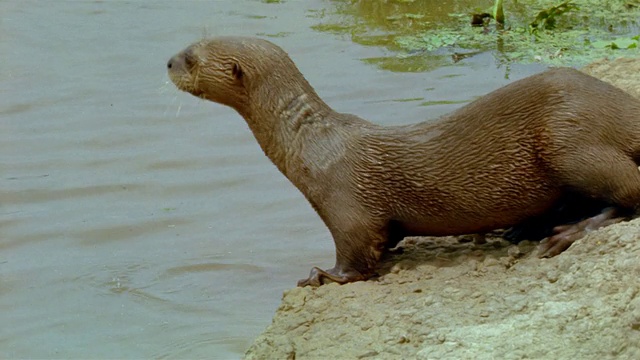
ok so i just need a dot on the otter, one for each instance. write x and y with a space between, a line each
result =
501 160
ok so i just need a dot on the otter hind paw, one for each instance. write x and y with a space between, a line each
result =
568 234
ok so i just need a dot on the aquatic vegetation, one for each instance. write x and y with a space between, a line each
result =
498 12
567 33
619 43
423 35
546 19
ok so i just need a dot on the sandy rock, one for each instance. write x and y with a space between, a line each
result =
623 73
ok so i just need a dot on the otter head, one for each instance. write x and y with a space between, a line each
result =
229 70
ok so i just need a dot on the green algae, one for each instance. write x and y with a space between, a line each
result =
275 35
443 102
401 100
408 63
425 34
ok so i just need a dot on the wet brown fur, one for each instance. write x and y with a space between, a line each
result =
496 162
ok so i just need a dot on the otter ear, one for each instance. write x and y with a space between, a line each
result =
237 72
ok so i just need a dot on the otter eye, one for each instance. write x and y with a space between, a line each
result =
236 71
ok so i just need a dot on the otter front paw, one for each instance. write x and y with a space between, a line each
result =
319 277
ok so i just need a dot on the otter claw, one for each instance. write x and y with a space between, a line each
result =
568 234
560 241
319 277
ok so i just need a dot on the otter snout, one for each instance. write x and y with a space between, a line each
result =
177 59
183 61
177 63
179 68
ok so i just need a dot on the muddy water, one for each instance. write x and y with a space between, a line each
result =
137 221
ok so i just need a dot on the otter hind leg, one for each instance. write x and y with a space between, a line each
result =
570 209
604 174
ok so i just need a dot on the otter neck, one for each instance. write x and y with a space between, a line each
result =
276 115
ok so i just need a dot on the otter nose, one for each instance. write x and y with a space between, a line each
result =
175 62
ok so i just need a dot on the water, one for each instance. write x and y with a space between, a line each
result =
137 221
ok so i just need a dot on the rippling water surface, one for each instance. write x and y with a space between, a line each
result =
138 221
